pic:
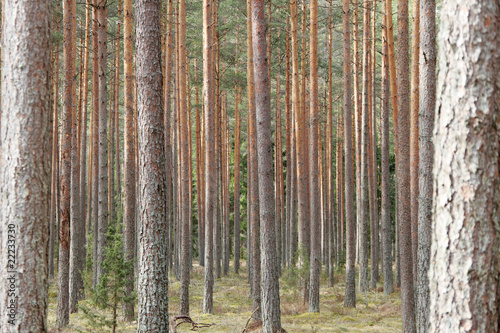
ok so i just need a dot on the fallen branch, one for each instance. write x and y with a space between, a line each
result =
248 321
186 320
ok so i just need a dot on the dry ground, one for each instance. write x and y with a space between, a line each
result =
232 307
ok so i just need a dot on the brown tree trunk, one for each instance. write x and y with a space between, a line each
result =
427 105
184 159
25 169
415 43
403 171
350 293
69 17
385 181
314 185
271 316
464 266
153 269
237 140
129 177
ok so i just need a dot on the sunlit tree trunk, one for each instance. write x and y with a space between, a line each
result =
69 19
237 140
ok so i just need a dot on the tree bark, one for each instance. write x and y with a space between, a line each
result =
210 189
350 290
385 181
271 316
314 184
26 139
129 178
69 17
427 105
403 171
464 267
153 267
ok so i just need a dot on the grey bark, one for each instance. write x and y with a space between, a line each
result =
271 316
26 139
464 266
103 142
350 290
153 265
427 105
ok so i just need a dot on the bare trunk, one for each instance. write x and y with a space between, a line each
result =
153 268
25 169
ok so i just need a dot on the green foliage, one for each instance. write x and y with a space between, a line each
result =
109 293
293 275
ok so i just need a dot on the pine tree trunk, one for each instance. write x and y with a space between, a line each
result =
314 185
237 140
350 291
210 189
464 267
153 268
427 105
129 178
25 169
69 17
103 142
271 316
403 171
414 156
184 170
385 181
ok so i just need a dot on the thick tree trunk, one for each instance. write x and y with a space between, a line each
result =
427 105
271 316
25 169
153 267
350 290
69 14
464 267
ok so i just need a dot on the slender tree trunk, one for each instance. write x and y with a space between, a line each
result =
414 155
69 15
167 121
55 159
289 162
278 169
25 169
271 316
153 268
357 116
350 293
314 184
427 105
95 138
129 194
464 267
329 151
117 161
386 191
184 158
237 140
210 189
363 217
103 141
403 171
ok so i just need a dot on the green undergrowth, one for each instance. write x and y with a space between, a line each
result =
233 307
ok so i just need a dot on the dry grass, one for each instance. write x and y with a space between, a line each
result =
233 308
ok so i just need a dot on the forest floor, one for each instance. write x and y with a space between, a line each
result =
233 308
